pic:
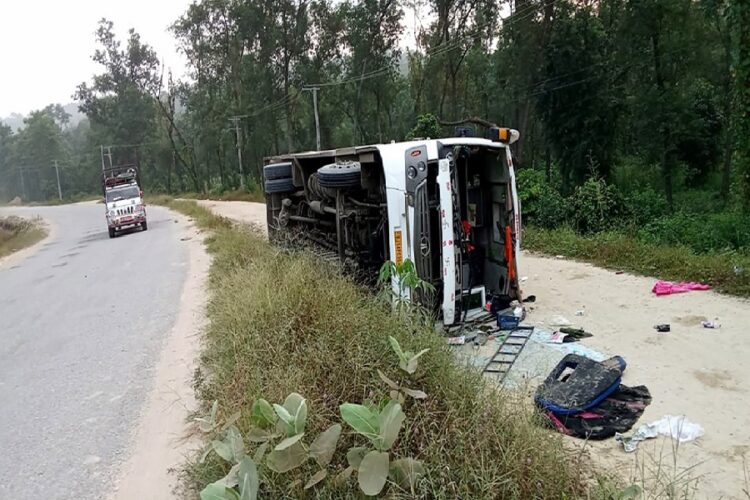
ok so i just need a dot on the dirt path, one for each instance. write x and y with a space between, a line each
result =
701 373
163 440
693 371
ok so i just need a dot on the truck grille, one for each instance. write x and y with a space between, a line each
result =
126 210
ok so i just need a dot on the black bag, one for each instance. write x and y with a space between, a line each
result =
576 384
616 413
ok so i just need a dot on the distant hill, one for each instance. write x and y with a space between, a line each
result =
15 120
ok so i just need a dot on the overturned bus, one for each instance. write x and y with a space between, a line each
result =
448 205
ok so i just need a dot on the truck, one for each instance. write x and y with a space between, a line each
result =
123 199
448 206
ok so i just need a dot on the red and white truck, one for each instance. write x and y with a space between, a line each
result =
123 199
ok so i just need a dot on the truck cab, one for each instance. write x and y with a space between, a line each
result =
447 205
123 200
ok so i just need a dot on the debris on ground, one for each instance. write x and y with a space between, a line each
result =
585 398
663 328
668 288
558 321
710 324
677 427
576 333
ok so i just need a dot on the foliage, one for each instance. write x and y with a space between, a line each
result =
410 288
17 233
595 206
317 333
541 202
427 126
726 271
702 233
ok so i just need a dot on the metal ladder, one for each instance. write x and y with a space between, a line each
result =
507 353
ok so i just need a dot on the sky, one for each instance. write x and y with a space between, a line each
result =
46 45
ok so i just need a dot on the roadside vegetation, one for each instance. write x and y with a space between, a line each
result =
17 233
631 228
283 323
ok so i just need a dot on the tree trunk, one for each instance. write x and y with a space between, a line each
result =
666 163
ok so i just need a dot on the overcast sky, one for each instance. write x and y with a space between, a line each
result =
46 45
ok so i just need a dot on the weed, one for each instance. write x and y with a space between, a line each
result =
282 322
17 233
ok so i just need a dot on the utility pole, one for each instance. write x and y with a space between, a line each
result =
236 121
23 184
59 189
314 91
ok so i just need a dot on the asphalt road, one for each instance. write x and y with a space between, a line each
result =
82 322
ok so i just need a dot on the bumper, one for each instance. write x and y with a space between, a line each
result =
126 222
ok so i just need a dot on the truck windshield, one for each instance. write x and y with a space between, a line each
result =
124 193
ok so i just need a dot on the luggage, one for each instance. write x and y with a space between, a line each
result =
584 398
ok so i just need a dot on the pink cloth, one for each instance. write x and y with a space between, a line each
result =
668 288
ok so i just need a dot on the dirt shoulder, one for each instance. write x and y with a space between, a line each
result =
690 371
22 245
163 438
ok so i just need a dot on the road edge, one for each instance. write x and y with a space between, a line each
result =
19 256
163 438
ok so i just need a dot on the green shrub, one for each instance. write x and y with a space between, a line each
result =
596 206
644 206
541 203
702 233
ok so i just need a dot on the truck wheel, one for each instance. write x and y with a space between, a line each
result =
144 226
340 175
279 186
277 171
112 232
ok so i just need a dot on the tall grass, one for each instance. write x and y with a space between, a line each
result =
727 271
283 322
17 233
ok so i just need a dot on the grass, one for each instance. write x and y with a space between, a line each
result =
727 272
283 322
17 233
255 195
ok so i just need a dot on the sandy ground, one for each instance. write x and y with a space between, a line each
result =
243 211
693 371
163 439
701 373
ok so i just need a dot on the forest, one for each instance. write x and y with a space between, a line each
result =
633 113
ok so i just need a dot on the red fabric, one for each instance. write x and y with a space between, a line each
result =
668 288
509 254
558 425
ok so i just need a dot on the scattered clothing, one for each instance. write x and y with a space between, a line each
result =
668 288
678 427
616 414
630 444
